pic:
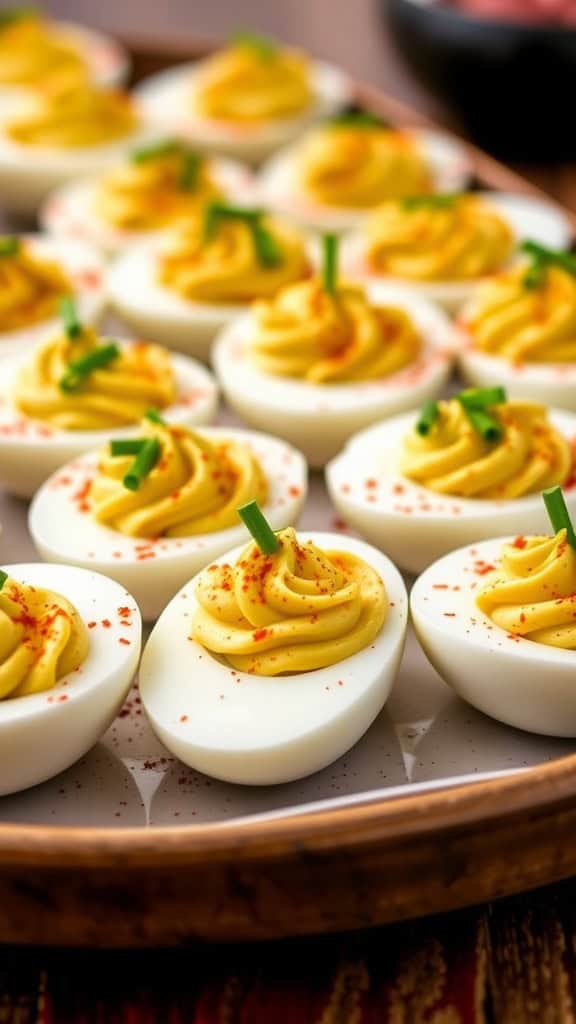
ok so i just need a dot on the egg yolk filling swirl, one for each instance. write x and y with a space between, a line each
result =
195 486
74 117
117 394
30 286
42 639
248 84
145 194
532 593
526 324
226 268
349 166
31 52
323 338
455 459
460 238
299 609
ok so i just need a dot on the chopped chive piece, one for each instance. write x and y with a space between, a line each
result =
254 521
262 46
154 416
155 151
191 163
9 246
143 464
12 14
431 202
69 316
330 263
558 513
429 413
481 398
3 578
542 258
267 250
484 424
358 118
130 446
82 368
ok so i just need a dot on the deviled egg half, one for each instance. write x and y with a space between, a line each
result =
464 470
182 289
498 622
154 188
69 649
35 51
443 245
36 273
520 329
322 360
331 177
276 659
246 100
153 510
79 390
60 133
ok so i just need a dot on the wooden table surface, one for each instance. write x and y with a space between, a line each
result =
510 963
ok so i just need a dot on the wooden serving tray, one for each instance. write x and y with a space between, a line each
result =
335 867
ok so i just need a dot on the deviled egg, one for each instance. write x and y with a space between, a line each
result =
244 101
331 177
36 272
153 510
182 289
275 660
63 132
497 621
69 649
520 329
462 471
320 361
79 390
156 186
444 245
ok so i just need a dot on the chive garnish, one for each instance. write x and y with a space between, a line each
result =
265 246
3 578
475 402
558 513
69 316
429 413
330 243
154 416
143 464
155 151
440 201
262 46
12 14
254 521
358 118
9 246
130 446
542 258
82 368
191 162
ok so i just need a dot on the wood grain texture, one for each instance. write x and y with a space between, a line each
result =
342 869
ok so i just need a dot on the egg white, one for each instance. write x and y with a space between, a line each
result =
279 187
412 523
155 312
528 217
263 730
70 212
63 529
31 450
165 100
319 418
86 269
517 681
44 733
551 383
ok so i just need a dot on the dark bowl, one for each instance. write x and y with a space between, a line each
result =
511 84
